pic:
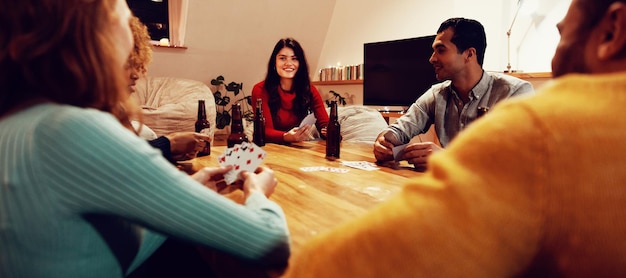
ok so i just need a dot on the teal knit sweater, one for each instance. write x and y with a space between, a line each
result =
82 196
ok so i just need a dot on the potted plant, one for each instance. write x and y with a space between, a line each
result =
337 97
222 99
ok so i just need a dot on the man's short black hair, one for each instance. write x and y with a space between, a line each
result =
467 33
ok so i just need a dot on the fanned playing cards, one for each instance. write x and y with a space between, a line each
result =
243 157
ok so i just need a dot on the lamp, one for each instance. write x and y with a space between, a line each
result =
508 38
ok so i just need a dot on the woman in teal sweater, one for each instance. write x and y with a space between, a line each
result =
80 194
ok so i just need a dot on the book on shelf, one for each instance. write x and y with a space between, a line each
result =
339 73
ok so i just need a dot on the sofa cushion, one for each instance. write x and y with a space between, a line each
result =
170 104
360 123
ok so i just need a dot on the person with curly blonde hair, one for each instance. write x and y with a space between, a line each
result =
141 54
175 146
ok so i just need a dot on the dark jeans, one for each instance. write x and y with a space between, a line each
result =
174 258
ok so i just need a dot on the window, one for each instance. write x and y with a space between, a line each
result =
154 14
164 18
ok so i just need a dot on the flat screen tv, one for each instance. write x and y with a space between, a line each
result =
397 72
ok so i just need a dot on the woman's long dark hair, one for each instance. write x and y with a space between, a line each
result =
301 82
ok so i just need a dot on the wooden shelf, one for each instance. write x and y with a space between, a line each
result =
337 82
522 75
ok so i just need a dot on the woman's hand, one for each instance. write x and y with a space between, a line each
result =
262 180
298 134
210 176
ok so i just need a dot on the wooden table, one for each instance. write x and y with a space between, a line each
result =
318 201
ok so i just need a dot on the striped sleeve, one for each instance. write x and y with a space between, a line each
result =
94 165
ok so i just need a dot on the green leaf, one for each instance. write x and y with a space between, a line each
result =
217 81
222 119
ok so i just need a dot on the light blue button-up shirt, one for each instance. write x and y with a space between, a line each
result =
443 107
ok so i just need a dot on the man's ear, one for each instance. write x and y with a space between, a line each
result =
470 52
613 28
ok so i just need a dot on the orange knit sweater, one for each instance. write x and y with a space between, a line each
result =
537 186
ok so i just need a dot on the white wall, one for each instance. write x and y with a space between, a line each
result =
234 38
533 37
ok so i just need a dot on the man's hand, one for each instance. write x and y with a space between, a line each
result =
185 145
383 149
418 153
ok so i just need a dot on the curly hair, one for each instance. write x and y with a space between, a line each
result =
141 55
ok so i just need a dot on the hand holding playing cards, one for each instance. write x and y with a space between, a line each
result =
243 157
298 134
209 176
262 180
418 153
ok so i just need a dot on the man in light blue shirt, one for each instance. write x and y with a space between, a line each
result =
458 54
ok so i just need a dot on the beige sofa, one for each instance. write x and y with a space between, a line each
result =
170 104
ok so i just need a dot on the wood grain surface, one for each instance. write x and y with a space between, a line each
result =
317 201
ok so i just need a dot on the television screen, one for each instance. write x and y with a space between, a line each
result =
397 72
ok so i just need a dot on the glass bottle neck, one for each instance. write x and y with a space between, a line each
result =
237 124
333 111
201 110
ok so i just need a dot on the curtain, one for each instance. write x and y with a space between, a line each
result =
178 21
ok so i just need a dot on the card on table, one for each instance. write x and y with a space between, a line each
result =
243 157
324 169
363 165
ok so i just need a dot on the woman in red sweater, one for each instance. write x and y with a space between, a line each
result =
288 95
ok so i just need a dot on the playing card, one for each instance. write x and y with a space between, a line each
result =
398 152
324 169
311 169
308 120
251 156
243 157
363 165
222 159
335 170
225 157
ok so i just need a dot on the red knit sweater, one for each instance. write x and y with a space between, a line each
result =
286 119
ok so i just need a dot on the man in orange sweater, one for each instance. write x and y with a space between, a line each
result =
534 188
